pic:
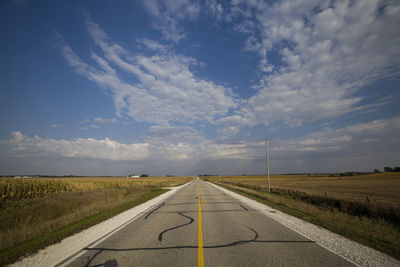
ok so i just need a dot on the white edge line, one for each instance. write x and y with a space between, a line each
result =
235 195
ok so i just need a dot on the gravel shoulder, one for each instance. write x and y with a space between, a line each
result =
358 254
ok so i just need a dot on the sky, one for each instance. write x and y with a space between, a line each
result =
179 87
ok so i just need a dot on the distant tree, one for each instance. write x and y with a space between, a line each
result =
388 169
376 170
144 175
396 169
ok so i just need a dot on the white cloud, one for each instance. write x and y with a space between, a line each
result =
323 54
216 9
234 120
228 132
104 121
96 122
239 151
362 146
328 52
163 143
174 134
167 89
154 149
352 140
230 125
55 125
152 45
99 120
246 26
151 150
169 14
23 145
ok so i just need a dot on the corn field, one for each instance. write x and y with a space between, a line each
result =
31 208
18 189
12 189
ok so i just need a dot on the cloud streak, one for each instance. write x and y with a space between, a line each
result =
350 147
322 65
166 89
314 60
23 145
169 14
326 54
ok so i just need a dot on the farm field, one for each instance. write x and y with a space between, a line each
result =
380 188
37 212
365 208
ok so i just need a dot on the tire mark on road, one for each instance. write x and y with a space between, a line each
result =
148 214
175 227
92 258
243 207
236 243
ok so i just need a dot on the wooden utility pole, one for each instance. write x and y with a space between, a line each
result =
269 186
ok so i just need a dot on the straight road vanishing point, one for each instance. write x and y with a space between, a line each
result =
201 226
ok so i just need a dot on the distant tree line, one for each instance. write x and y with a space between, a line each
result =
389 169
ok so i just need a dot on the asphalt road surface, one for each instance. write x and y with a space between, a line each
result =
201 226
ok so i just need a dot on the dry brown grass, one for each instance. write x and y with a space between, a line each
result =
30 208
364 208
380 188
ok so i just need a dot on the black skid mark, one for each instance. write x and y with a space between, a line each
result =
243 207
148 214
236 243
92 258
175 227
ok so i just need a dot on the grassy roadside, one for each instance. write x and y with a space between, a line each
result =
11 254
40 212
375 232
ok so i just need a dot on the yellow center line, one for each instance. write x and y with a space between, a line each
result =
200 256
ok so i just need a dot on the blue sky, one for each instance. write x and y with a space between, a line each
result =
188 87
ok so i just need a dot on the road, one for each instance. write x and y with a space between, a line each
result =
201 226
